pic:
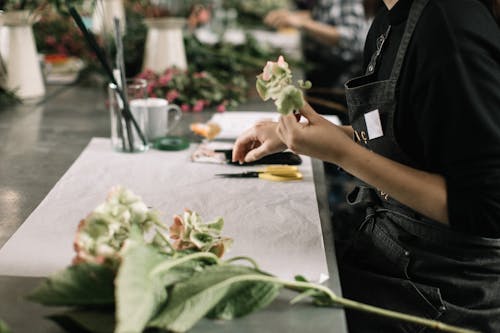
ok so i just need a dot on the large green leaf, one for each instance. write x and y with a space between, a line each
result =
244 298
3 327
140 289
82 284
86 320
138 293
192 299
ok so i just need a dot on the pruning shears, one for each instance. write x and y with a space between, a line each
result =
278 173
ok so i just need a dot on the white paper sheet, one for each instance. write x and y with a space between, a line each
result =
276 223
233 123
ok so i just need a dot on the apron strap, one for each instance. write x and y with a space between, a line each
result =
415 12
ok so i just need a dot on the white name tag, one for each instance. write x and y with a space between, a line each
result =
373 125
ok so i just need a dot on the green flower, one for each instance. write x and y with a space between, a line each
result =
275 82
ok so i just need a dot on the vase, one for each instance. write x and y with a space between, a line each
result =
164 44
103 17
19 55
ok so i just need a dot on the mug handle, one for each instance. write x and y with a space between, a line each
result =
177 116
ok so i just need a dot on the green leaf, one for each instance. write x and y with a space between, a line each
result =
86 320
244 298
200 239
82 284
318 296
140 289
138 293
304 85
214 226
192 299
290 99
3 327
261 87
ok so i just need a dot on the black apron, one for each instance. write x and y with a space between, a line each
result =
397 258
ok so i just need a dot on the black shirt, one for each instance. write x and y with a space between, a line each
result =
448 113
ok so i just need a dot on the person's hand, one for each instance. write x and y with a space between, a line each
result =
199 15
257 142
282 18
318 137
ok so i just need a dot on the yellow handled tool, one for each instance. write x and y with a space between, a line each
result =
274 172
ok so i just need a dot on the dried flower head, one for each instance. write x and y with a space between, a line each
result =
191 232
104 233
275 82
101 235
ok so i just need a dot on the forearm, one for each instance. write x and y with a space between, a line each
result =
347 129
324 33
424 192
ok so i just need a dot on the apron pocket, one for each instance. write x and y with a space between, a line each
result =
390 293
375 271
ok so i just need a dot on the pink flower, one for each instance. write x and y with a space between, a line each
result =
268 69
50 40
185 107
165 79
177 229
171 71
198 106
204 16
172 95
150 88
281 62
147 75
221 107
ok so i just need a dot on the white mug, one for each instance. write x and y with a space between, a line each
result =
159 122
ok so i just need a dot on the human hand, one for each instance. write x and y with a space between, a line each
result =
257 142
199 15
318 137
282 18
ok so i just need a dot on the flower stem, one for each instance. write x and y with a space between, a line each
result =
159 233
361 306
250 260
172 263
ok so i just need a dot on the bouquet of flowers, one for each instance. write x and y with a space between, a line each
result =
194 91
127 275
55 34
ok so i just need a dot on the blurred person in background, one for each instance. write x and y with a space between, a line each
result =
334 32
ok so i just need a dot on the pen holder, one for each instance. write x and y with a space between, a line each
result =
124 136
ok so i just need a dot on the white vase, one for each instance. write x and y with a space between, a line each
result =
19 55
103 16
164 44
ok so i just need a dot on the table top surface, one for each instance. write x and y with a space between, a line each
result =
39 142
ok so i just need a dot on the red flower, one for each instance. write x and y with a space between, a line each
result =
221 107
165 79
185 107
172 95
50 40
150 88
198 107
